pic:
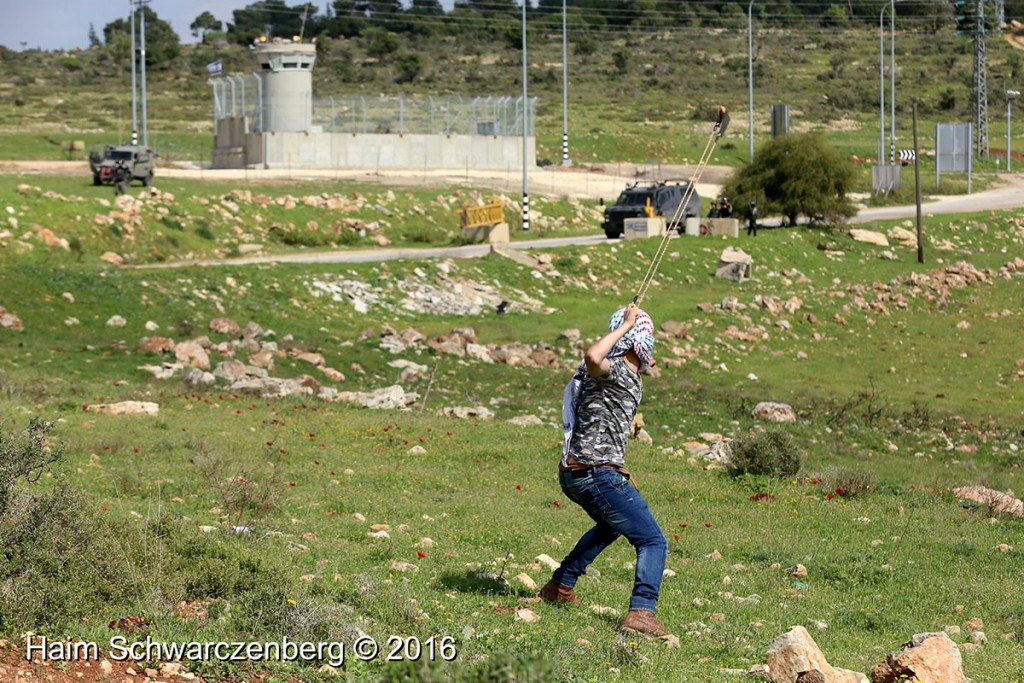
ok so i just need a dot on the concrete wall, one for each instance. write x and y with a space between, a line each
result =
235 146
338 150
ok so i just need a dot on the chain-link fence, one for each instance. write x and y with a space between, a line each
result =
237 96
495 116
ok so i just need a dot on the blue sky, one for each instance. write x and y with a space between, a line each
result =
64 24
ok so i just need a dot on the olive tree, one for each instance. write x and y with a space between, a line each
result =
795 175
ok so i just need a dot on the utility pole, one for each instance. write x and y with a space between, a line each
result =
1010 94
892 81
142 67
526 125
565 92
980 87
135 58
750 77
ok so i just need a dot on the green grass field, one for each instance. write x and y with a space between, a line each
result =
903 391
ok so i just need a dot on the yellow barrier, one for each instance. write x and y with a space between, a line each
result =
479 216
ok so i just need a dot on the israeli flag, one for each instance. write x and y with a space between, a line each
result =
214 68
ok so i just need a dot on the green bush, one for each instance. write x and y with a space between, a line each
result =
771 452
60 556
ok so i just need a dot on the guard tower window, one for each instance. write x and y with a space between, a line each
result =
290 65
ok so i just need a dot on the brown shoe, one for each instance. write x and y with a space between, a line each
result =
643 623
556 593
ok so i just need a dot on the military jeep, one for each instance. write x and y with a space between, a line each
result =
104 160
662 198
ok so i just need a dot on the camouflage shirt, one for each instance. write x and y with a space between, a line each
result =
604 415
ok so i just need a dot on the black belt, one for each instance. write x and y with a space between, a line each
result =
580 472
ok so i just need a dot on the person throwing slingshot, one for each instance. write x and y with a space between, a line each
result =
598 407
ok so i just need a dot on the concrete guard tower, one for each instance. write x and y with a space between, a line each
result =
269 119
286 70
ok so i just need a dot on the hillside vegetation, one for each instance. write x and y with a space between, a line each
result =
636 95
233 513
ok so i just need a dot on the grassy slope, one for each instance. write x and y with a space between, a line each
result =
934 554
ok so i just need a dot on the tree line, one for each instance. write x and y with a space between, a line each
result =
501 19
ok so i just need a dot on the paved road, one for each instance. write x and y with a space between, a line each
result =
374 255
1007 196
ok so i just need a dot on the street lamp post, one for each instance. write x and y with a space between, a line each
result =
1010 94
750 74
881 86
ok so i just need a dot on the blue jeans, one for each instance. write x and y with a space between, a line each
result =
617 509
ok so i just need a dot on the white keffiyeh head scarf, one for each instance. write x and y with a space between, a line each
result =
640 339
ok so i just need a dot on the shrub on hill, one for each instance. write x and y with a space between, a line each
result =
770 452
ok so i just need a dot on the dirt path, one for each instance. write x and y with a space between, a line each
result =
593 182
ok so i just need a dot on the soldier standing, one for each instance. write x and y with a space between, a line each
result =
752 218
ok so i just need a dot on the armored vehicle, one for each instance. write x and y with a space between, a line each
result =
103 161
663 198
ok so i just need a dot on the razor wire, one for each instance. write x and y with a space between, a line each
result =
716 134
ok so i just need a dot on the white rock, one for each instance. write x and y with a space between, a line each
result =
126 408
524 580
405 567
151 326
116 321
527 615
548 562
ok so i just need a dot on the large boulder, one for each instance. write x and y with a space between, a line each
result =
125 408
925 657
869 236
230 370
225 326
773 412
9 321
156 346
794 656
192 355
386 398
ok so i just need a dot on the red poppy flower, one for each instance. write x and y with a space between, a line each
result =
316 462
292 483
422 439
558 503
420 553
270 443
677 536
519 487
830 496
839 492
707 524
